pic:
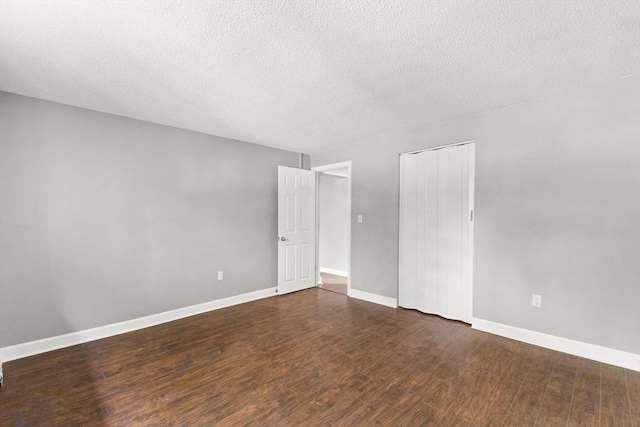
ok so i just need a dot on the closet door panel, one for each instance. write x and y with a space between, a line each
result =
464 230
435 230
431 232
421 266
454 231
442 202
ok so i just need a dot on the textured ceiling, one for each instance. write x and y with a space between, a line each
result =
308 76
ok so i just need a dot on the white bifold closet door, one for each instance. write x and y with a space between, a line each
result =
436 231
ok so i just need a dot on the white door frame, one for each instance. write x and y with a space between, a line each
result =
472 208
325 168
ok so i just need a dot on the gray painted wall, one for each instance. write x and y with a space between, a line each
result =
106 219
557 212
334 221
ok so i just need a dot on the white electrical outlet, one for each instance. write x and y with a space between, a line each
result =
359 219
220 275
536 300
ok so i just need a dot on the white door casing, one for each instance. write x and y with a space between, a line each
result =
296 229
436 231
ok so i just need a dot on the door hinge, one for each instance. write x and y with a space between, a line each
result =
471 216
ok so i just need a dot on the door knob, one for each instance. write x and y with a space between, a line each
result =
282 239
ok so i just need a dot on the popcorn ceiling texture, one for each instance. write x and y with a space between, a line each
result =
309 76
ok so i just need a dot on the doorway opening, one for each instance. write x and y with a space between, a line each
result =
333 227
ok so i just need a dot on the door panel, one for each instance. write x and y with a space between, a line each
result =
431 231
306 213
436 233
296 229
442 266
290 263
305 261
454 232
290 213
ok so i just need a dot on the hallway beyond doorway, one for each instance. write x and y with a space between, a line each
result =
333 283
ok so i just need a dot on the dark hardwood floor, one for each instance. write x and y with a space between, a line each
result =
314 358
333 283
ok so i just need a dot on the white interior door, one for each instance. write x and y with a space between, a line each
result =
436 231
296 229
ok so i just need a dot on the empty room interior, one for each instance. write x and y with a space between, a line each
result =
319 213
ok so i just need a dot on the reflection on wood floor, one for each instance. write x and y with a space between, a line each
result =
314 358
333 283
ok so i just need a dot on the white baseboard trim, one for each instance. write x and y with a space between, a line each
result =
333 271
31 348
598 353
374 298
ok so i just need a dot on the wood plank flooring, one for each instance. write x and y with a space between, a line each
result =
315 358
